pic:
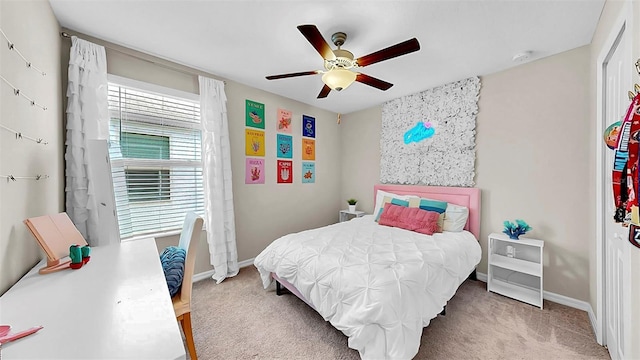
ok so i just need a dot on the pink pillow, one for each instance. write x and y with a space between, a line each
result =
414 219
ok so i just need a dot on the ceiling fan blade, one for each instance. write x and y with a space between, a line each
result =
396 50
371 81
283 76
317 41
324 92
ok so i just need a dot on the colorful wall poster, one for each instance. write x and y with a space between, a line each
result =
254 142
254 171
308 126
285 171
255 114
308 149
308 172
285 146
284 121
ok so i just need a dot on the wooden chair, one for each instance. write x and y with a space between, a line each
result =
189 238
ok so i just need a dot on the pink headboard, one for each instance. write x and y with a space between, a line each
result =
469 197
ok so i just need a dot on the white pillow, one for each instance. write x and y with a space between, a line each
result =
455 218
380 199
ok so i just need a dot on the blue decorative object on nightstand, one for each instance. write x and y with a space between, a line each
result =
514 230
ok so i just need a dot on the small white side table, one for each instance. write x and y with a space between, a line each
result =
348 215
515 268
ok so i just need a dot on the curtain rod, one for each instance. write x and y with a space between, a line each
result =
66 35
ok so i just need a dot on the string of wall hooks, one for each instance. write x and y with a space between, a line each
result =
14 48
11 178
20 136
17 92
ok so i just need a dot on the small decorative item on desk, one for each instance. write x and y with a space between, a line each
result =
75 253
514 230
352 204
5 337
86 254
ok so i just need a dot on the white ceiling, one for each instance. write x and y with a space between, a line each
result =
244 41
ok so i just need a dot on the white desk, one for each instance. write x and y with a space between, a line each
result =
117 306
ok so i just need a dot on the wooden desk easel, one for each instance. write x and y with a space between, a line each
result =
55 234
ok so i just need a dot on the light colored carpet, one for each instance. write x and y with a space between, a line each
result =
238 319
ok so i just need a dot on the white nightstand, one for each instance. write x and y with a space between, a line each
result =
348 215
517 275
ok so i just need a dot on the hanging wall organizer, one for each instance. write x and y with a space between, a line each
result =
16 178
20 136
15 49
17 92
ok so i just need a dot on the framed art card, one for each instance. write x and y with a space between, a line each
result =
308 149
285 146
284 121
254 171
254 142
285 171
254 114
308 172
308 126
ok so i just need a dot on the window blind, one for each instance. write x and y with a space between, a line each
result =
155 149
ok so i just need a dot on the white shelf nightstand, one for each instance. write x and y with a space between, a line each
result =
516 274
348 215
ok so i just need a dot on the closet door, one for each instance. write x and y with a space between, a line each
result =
616 246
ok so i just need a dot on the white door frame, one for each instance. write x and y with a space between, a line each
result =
622 23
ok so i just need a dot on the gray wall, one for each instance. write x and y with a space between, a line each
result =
361 156
533 140
32 27
532 144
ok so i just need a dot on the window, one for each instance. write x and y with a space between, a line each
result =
155 145
145 184
148 185
144 146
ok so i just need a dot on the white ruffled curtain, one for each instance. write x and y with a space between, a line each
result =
216 163
87 118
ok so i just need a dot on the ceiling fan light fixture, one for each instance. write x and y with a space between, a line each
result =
338 63
338 79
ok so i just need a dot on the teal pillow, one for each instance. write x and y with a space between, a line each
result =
436 206
433 205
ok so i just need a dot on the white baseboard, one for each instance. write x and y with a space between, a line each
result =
562 300
203 275
246 263
209 274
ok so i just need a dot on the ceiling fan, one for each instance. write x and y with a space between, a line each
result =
338 63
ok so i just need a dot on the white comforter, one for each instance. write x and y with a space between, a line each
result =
379 285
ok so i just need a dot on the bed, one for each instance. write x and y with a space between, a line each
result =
379 285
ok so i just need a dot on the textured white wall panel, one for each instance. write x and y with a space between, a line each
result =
447 158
